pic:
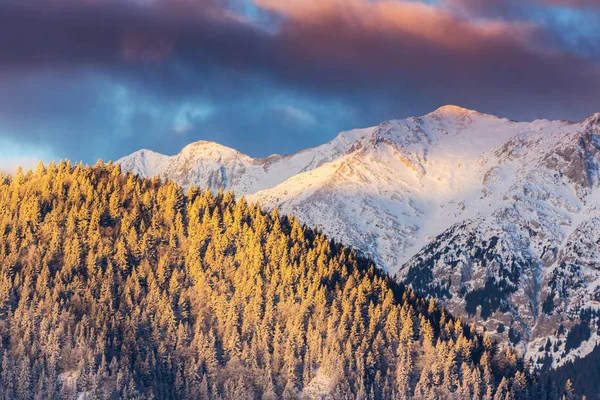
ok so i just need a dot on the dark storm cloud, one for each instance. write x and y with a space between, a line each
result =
38 33
334 43
104 77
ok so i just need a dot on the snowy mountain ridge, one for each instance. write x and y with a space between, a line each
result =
492 216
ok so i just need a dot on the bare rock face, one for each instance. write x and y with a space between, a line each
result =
498 219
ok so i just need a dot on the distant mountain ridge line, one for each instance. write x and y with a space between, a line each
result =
277 155
426 197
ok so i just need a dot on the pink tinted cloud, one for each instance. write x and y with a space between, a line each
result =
435 24
411 48
416 20
361 32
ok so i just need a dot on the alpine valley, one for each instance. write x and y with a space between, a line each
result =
498 219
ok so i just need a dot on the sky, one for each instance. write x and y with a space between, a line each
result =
90 79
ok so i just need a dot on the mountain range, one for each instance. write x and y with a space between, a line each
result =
498 219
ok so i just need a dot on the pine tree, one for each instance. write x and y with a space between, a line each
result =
24 380
569 392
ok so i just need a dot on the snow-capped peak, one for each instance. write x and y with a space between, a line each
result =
594 119
453 110
144 162
203 147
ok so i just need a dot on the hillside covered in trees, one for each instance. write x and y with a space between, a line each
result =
113 286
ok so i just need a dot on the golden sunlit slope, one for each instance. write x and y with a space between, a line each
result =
113 286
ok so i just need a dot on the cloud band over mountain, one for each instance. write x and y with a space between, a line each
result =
100 78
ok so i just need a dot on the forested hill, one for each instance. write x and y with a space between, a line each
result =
116 287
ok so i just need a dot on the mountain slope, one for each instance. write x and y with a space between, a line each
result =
484 212
116 287
528 263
